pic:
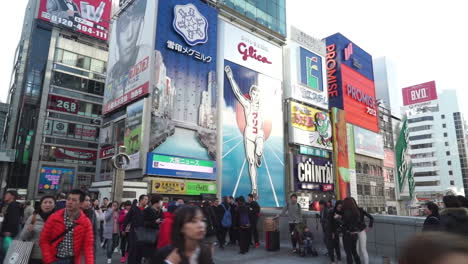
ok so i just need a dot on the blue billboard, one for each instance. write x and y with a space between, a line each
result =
180 167
53 178
311 69
183 109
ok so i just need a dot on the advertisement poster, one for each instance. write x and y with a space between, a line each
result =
90 17
368 143
53 179
389 160
133 133
197 188
165 186
406 184
176 166
63 104
420 93
313 173
62 153
340 150
310 126
352 162
106 135
184 108
130 55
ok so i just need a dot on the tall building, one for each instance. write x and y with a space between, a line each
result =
462 142
56 96
3 115
386 89
435 141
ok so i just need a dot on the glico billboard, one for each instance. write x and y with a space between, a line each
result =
351 82
420 93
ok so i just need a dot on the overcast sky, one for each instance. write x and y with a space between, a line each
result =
426 39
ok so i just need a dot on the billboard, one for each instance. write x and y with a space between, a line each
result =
406 184
63 104
74 154
312 173
180 167
90 17
340 152
389 158
133 133
253 155
420 93
54 178
130 55
352 162
172 186
359 99
184 101
309 126
368 143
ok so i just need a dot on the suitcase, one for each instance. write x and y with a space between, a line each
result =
272 240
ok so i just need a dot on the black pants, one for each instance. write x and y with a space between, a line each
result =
233 235
134 250
221 236
254 221
292 227
333 245
349 243
244 239
101 231
124 244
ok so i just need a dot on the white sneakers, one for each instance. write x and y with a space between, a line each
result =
109 261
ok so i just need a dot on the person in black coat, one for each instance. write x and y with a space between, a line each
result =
351 228
454 218
327 223
254 213
152 217
135 218
233 231
220 210
11 212
432 222
242 223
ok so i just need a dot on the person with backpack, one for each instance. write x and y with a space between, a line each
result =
233 232
211 223
223 224
294 211
254 211
432 221
243 224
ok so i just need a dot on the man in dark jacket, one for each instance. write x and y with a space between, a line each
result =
220 210
233 231
135 218
254 213
11 213
326 221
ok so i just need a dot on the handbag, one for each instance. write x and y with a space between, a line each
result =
19 252
146 235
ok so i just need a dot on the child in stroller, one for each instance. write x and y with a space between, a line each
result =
304 237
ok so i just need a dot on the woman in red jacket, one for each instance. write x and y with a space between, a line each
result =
68 234
165 229
124 232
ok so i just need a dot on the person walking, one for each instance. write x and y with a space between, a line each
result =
363 229
243 224
103 208
135 219
233 232
67 235
152 217
165 229
220 210
35 224
187 245
124 231
294 212
432 222
111 229
94 216
254 214
335 222
10 213
454 218
211 222
351 230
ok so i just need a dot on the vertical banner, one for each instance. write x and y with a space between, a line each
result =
130 55
184 110
253 155
133 133
405 178
340 152
352 162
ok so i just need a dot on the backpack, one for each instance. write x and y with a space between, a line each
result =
226 222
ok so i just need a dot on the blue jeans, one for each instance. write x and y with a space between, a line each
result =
111 244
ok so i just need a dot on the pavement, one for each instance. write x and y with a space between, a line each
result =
230 255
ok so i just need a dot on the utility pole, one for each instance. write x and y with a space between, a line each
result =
120 162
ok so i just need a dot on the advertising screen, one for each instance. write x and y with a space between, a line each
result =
312 173
184 98
340 151
53 179
359 99
310 126
252 120
133 133
63 104
368 143
130 55
352 162
181 167
90 17
420 93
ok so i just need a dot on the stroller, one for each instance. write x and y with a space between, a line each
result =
305 239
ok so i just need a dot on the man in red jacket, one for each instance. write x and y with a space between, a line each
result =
165 229
68 234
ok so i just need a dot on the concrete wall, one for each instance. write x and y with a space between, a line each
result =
383 240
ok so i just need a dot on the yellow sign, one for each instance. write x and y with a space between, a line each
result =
169 187
303 117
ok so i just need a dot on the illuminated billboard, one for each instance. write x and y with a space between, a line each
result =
420 93
313 173
55 178
90 17
368 143
180 167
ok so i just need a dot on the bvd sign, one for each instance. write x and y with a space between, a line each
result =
420 93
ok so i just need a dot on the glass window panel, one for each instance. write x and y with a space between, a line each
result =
97 66
58 55
69 58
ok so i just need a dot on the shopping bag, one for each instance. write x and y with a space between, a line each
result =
146 235
19 252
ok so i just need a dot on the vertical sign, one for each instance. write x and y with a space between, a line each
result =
352 162
403 162
340 150
133 133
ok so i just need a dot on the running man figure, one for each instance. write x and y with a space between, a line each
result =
253 132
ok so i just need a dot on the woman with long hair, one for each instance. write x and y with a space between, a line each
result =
351 229
363 229
124 231
111 229
188 232
34 225
432 221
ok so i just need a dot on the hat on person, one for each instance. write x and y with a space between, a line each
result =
171 207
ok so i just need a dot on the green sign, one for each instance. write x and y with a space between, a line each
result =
183 161
314 152
403 161
197 188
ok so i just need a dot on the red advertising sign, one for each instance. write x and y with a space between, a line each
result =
75 154
327 187
107 152
90 17
359 99
389 160
63 104
128 97
419 93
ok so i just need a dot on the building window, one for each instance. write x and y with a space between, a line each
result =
445 134
444 125
449 162
450 172
446 144
452 183
447 153
442 116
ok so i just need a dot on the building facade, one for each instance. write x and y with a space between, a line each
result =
56 98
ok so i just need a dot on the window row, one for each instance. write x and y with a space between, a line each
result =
427 136
78 83
79 61
420 119
421 146
419 128
364 189
68 155
73 106
71 130
369 169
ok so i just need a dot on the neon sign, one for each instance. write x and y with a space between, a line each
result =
331 71
250 52
363 98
